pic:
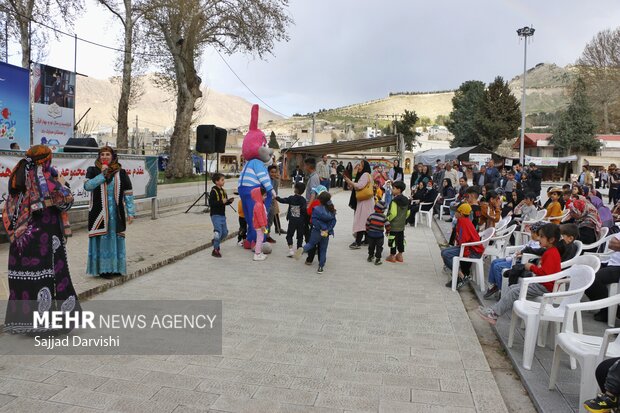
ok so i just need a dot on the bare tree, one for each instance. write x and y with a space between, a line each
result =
21 12
180 30
599 67
129 13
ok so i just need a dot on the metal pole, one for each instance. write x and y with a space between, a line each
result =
313 127
6 37
522 143
74 78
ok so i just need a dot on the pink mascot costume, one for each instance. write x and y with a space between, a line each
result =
254 174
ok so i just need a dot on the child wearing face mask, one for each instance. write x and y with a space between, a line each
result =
424 195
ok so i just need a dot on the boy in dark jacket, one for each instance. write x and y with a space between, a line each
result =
296 217
376 225
398 213
217 202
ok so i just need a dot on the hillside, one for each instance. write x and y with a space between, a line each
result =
546 91
156 109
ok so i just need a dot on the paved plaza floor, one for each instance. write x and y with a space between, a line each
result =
359 337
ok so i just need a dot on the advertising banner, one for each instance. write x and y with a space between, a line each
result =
14 106
480 158
540 161
54 103
141 170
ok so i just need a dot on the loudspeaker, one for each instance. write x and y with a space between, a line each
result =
220 140
86 143
210 139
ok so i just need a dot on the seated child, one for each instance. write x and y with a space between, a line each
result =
500 264
549 238
465 232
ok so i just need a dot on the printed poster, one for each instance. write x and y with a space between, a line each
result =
54 105
14 106
141 170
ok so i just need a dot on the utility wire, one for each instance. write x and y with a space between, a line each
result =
247 87
116 49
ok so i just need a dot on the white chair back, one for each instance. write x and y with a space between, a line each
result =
591 261
603 233
540 215
486 236
503 223
581 277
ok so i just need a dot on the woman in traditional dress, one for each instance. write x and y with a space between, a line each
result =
362 208
110 193
35 218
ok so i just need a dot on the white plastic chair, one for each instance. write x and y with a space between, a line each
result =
502 224
500 241
603 241
446 204
532 312
560 217
519 235
428 214
477 263
588 350
565 264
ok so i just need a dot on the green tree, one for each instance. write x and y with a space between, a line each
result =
499 116
424 122
441 120
576 128
406 126
466 105
273 142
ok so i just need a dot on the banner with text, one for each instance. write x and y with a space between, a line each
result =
141 170
54 103
14 106
540 161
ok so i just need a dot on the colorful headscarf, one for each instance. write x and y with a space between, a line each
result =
585 214
33 186
113 166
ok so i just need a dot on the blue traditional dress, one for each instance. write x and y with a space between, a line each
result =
106 245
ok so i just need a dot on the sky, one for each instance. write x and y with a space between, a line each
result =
348 51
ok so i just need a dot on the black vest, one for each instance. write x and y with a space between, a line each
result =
97 210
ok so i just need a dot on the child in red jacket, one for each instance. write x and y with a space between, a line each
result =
259 221
550 263
465 232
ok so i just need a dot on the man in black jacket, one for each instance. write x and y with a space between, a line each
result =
534 178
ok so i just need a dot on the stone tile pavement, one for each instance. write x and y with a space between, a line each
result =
359 337
150 243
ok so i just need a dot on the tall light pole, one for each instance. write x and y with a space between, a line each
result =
524 32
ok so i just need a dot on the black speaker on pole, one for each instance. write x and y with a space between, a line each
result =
220 140
205 139
210 139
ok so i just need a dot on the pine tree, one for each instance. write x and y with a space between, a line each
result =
406 126
575 130
499 116
273 142
466 103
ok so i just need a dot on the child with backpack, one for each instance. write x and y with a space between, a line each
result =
376 225
398 212
296 217
323 223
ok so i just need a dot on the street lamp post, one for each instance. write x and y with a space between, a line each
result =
524 32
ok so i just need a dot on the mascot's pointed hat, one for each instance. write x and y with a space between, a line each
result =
254 139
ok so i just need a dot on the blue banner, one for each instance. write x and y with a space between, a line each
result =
14 106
